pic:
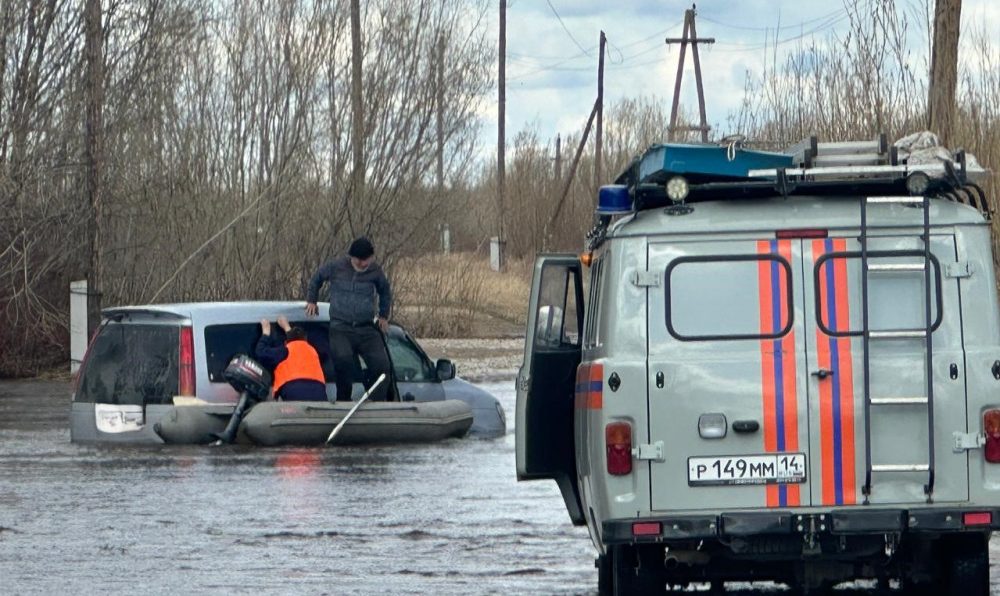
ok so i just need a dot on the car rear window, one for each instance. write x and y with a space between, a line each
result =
222 342
131 364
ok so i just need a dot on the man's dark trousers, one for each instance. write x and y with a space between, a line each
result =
365 340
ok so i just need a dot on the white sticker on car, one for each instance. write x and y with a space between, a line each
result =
111 418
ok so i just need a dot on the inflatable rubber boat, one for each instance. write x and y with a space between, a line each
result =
254 420
274 423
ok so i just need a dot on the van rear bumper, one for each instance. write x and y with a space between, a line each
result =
834 522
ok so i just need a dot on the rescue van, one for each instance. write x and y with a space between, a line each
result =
790 375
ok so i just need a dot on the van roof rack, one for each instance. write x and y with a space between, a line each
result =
730 172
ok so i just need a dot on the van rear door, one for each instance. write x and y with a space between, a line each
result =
899 419
727 393
761 402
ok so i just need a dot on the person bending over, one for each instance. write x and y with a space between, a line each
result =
298 374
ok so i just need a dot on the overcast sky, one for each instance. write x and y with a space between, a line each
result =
552 52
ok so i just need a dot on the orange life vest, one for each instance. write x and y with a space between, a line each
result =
302 363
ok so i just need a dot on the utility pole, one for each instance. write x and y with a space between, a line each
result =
357 108
94 43
689 36
944 69
501 109
440 116
599 133
439 87
558 158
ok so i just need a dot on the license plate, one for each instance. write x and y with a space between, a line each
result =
770 468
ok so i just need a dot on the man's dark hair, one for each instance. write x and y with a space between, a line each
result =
361 248
295 333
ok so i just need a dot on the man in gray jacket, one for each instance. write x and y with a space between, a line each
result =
355 282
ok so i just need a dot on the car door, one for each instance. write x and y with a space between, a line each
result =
416 377
727 396
546 379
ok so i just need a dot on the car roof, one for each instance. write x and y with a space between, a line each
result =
202 313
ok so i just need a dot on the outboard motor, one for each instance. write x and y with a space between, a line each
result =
253 383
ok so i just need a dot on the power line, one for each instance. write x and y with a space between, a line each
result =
778 28
566 29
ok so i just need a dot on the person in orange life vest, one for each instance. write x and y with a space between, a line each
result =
298 375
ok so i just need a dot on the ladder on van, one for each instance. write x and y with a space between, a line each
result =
810 152
924 333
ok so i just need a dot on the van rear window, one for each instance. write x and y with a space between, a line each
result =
131 364
729 297
222 342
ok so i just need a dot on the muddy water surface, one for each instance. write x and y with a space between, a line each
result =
432 519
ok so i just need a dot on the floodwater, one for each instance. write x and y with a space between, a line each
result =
447 518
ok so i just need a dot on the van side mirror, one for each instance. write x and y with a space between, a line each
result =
549 326
445 369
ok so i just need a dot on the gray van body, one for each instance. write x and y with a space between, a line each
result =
130 417
725 334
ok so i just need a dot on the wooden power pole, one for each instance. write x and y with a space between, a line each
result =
599 133
689 36
944 69
93 48
501 115
357 107
439 100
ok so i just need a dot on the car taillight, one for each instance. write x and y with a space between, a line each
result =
185 368
991 427
86 354
618 439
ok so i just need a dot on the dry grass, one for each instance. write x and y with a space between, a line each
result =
458 295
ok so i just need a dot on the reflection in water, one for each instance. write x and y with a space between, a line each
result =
298 463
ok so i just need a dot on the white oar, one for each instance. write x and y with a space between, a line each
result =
341 424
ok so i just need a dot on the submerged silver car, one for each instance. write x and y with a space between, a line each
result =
144 358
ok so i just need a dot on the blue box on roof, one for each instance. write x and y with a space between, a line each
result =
704 163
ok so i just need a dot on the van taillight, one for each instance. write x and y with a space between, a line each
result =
618 439
185 368
991 427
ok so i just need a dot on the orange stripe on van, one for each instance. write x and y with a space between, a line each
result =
837 419
778 378
595 394
581 387
845 377
789 378
825 389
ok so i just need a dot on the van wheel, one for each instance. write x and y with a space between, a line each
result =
636 571
969 567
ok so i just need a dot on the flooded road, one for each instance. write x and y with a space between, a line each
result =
447 518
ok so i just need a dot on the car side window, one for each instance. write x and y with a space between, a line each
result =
222 342
408 362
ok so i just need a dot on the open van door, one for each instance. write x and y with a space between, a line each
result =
546 380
